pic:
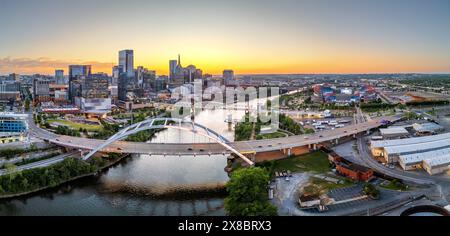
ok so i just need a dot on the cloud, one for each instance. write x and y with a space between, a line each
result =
44 65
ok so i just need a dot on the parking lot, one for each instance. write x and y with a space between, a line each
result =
326 123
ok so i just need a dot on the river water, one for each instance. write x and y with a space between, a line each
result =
143 184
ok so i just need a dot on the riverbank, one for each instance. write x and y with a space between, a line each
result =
94 173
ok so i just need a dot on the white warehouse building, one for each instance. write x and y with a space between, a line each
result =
437 165
415 161
431 153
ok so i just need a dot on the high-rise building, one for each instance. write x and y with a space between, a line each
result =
128 89
178 77
145 78
228 76
126 61
9 91
14 77
172 68
41 90
59 76
140 70
75 72
159 84
95 95
116 71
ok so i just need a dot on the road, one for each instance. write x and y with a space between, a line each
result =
369 161
207 148
42 163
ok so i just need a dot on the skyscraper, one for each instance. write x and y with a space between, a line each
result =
95 97
59 76
126 61
228 76
41 90
116 71
75 72
172 68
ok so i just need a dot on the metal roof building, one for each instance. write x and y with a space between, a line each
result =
427 127
417 148
437 165
438 161
397 142
414 161
394 132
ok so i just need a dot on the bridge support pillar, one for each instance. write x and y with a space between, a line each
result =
315 147
354 136
336 141
289 152
309 146
368 132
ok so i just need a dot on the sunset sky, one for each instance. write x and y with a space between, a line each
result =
249 36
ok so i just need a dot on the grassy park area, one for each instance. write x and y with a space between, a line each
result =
315 162
75 125
312 162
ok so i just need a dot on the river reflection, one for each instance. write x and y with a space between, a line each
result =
143 184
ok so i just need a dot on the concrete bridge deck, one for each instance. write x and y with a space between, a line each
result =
255 146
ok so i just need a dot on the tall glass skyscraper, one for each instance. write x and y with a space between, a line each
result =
172 68
126 61
59 76
75 72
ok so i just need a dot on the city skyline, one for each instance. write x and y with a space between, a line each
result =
250 37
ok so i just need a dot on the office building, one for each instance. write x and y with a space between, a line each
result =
148 79
75 73
126 61
160 84
128 90
59 77
180 75
14 77
116 71
228 76
172 68
9 91
41 90
13 127
95 97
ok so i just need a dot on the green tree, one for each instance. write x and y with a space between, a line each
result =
11 170
371 191
27 105
247 193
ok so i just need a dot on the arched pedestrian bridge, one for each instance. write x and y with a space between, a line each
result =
169 123
269 147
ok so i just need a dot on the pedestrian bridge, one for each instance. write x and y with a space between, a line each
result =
218 146
169 123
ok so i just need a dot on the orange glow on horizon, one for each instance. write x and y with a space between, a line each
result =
248 64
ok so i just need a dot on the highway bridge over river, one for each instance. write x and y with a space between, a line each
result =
250 151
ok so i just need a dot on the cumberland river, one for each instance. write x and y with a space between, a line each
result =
142 184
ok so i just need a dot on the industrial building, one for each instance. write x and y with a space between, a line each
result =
431 153
427 128
394 132
415 161
392 153
377 147
437 165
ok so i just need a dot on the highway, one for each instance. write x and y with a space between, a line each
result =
42 163
209 148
